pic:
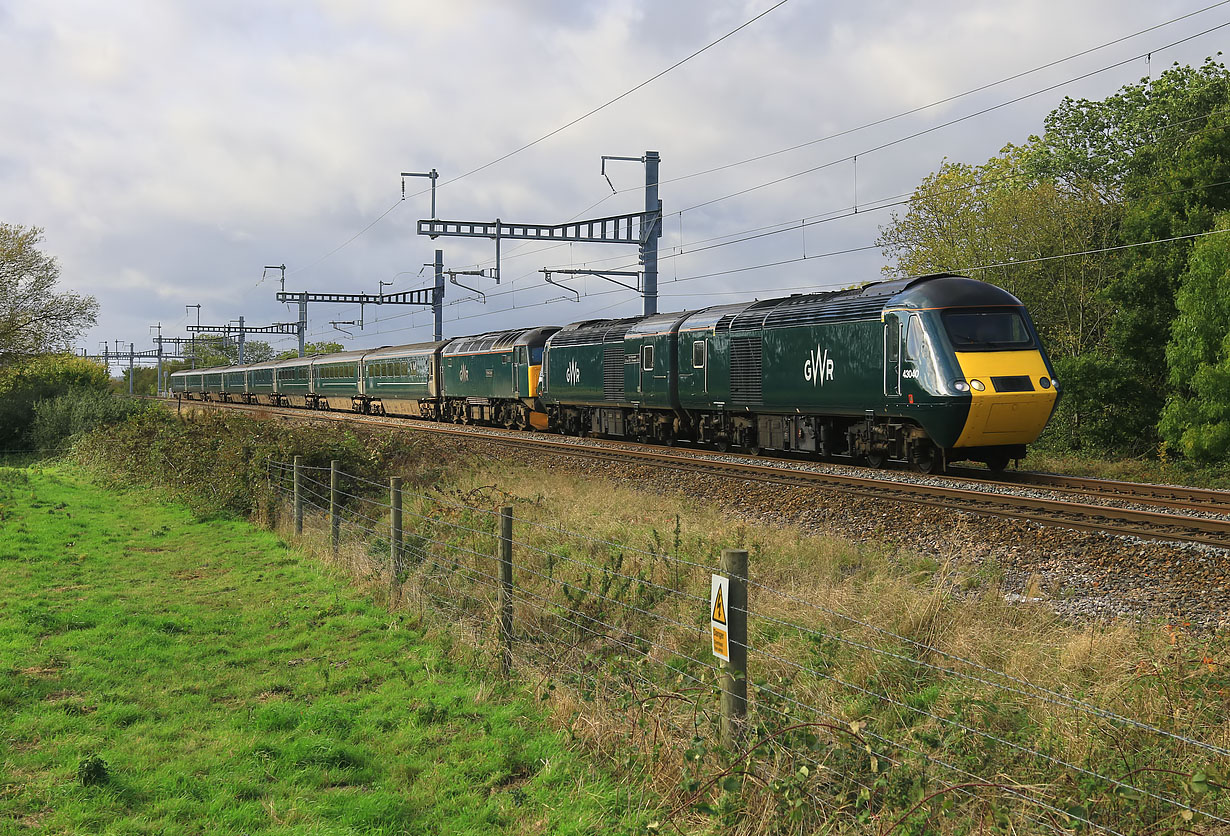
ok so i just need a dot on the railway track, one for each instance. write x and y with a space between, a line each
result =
1173 513
1179 497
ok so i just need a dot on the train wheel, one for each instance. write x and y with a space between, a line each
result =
721 445
877 459
930 460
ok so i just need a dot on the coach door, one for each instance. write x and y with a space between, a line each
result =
892 355
520 369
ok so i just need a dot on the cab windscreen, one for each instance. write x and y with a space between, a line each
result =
983 330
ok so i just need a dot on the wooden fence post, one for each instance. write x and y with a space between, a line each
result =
335 505
506 590
395 557
298 479
734 672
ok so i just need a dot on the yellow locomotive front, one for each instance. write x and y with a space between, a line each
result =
1011 384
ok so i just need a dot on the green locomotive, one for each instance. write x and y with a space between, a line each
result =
929 370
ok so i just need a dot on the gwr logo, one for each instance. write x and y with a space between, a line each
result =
573 373
464 374
818 367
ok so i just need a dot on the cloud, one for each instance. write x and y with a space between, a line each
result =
171 150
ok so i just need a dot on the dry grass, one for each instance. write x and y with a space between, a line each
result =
842 632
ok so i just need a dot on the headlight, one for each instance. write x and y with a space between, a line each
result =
960 385
977 385
1044 382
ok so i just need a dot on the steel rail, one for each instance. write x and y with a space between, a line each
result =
1173 496
1129 522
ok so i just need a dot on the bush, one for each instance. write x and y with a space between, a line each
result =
217 462
79 410
1103 408
39 378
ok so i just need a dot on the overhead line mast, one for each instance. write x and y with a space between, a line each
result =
640 228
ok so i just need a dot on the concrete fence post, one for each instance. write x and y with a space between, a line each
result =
506 590
395 553
335 505
298 482
734 672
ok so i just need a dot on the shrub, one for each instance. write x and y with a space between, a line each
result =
218 462
77 411
37 379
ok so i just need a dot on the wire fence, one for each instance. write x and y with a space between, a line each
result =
845 718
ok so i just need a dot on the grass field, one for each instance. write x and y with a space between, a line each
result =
163 674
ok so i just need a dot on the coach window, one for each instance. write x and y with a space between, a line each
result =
647 358
698 354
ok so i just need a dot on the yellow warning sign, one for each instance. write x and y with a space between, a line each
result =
719 608
719 593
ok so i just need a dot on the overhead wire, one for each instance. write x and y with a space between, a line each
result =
938 102
827 217
809 257
558 130
799 146
866 151
949 123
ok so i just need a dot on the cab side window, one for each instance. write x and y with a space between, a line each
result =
918 351
698 354
647 358
916 347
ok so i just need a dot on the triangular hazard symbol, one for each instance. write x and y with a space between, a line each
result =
719 608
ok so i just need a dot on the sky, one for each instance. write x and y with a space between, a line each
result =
171 150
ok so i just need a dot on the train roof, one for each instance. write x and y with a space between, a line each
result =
707 319
591 331
344 356
498 339
951 291
410 348
264 364
656 324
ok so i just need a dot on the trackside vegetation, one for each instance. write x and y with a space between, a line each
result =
861 718
1111 226
164 673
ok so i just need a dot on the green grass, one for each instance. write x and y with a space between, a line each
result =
1140 469
229 686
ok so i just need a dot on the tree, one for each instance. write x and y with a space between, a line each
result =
23 384
144 381
1147 164
1122 141
311 348
34 318
215 351
1159 148
1001 223
1196 419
